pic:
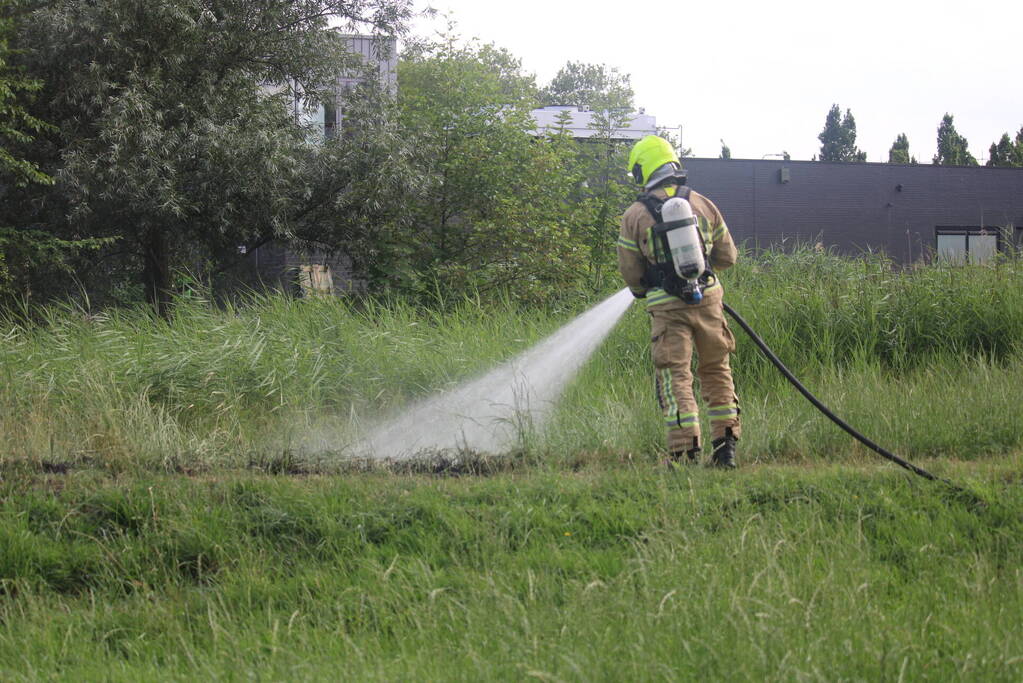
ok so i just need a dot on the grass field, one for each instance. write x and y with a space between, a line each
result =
610 572
176 503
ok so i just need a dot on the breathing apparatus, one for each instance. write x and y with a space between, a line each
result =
678 250
680 265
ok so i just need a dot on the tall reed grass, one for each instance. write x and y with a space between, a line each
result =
928 358
925 360
820 308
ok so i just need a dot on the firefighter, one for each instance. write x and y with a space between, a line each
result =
681 322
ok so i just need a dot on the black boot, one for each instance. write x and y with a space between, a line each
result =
688 457
724 451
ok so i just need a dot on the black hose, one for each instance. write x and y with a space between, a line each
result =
824 409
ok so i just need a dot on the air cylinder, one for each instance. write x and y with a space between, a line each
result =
684 243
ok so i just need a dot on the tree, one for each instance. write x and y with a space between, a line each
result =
17 125
953 150
177 134
838 139
604 190
608 94
488 208
726 153
1002 153
1007 152
899 153
589 86
16 129
23 248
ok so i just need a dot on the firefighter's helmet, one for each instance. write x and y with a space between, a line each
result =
652 160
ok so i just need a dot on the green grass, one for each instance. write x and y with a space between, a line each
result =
614 572
144 534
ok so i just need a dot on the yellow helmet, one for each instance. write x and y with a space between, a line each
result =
653 159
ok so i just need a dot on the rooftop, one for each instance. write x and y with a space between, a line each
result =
581 123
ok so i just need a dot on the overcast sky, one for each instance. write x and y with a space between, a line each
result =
762 75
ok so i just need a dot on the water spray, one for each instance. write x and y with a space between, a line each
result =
493 411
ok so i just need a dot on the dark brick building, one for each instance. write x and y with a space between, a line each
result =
910 212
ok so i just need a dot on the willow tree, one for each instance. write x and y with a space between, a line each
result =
176 127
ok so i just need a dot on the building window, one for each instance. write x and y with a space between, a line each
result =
967 245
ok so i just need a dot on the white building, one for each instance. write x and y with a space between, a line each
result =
380 54
581 123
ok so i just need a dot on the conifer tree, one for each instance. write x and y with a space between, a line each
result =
838 139
899 153
953 149
1007 152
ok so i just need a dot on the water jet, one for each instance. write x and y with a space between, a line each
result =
491 413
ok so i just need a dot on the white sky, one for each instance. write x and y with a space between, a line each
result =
762 75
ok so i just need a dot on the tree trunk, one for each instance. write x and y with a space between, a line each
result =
156 274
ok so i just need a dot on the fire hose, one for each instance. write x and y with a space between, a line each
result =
888 455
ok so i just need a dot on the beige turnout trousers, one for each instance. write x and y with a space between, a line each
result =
674 333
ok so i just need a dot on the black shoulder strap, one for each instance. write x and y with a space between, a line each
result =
653 203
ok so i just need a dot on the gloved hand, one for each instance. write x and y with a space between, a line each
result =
638 295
